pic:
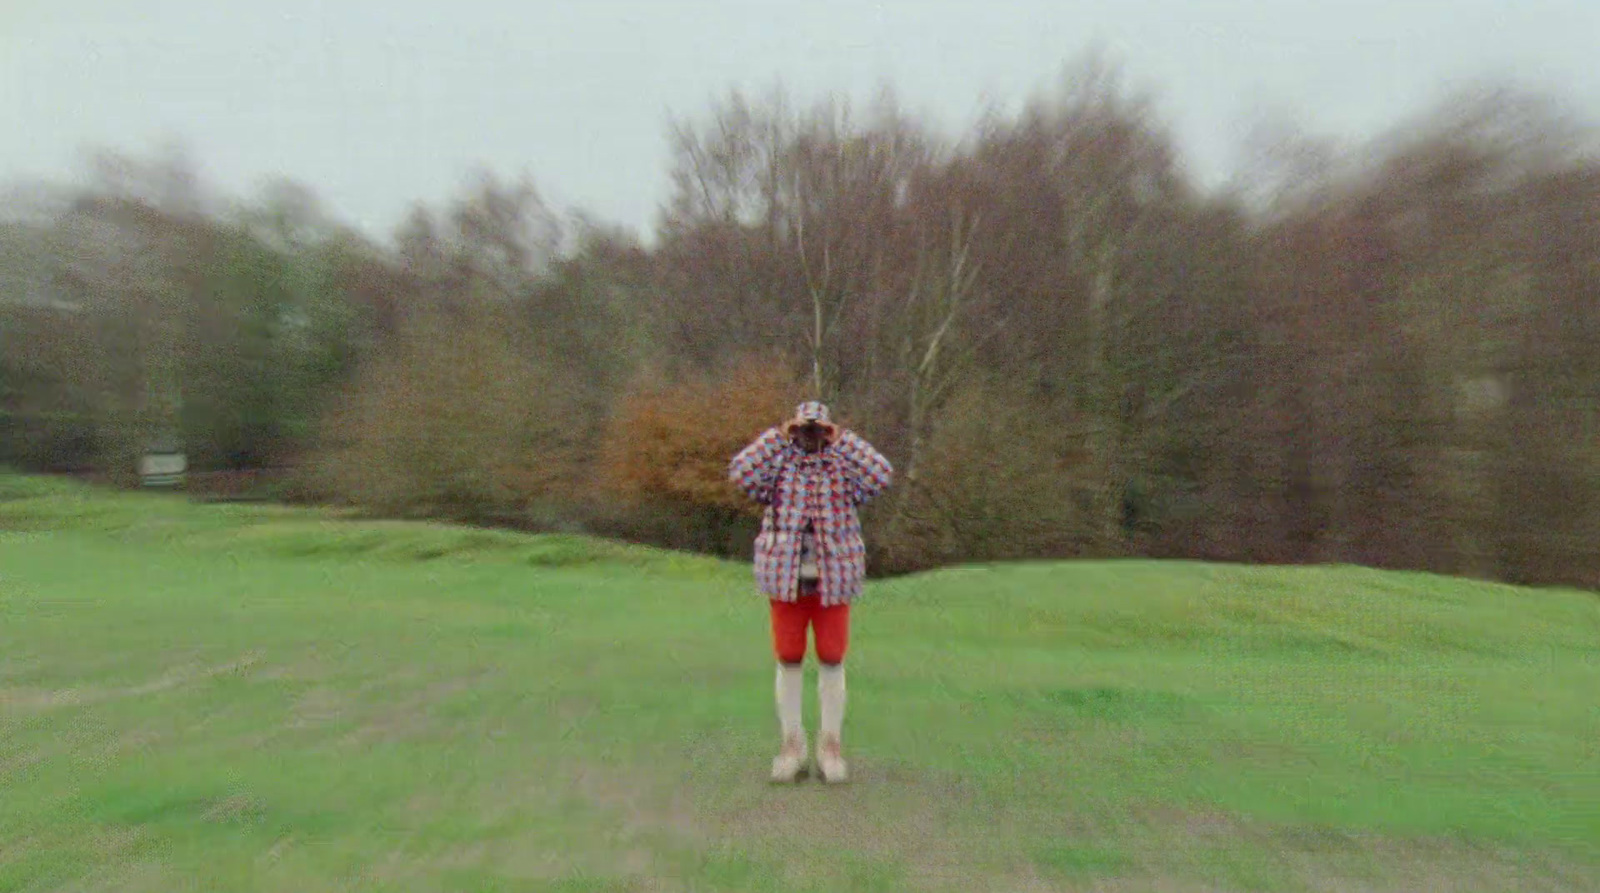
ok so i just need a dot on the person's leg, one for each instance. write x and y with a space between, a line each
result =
789 622
832 627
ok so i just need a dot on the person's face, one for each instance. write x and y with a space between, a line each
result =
811 436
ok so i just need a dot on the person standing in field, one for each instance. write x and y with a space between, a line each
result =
810 562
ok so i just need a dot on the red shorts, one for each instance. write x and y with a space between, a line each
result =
790 619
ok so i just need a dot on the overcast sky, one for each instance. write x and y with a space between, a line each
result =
377 103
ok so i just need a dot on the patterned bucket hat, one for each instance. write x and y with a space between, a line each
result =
812 411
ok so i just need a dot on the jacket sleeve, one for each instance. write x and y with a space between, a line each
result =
867 469
755 469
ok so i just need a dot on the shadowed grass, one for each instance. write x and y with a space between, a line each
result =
260 698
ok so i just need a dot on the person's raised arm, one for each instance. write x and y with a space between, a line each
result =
755 469
867 469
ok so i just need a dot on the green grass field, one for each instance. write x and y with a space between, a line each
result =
243 698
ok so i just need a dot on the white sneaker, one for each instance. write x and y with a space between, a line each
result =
830 760
790 761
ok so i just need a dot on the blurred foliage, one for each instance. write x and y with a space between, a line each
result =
1379 354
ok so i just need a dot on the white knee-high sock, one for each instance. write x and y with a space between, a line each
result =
790 696
830 691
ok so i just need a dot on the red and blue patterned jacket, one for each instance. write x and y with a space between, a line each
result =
824 488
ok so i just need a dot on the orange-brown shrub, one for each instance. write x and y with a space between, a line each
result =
669 443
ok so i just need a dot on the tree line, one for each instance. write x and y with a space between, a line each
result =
1386 354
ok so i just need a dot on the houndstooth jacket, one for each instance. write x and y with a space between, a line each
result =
824 488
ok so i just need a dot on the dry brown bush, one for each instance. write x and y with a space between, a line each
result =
670 442
998 479
455 421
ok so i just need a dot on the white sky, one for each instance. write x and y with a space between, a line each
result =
377 103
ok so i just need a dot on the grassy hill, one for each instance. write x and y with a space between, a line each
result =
246 698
